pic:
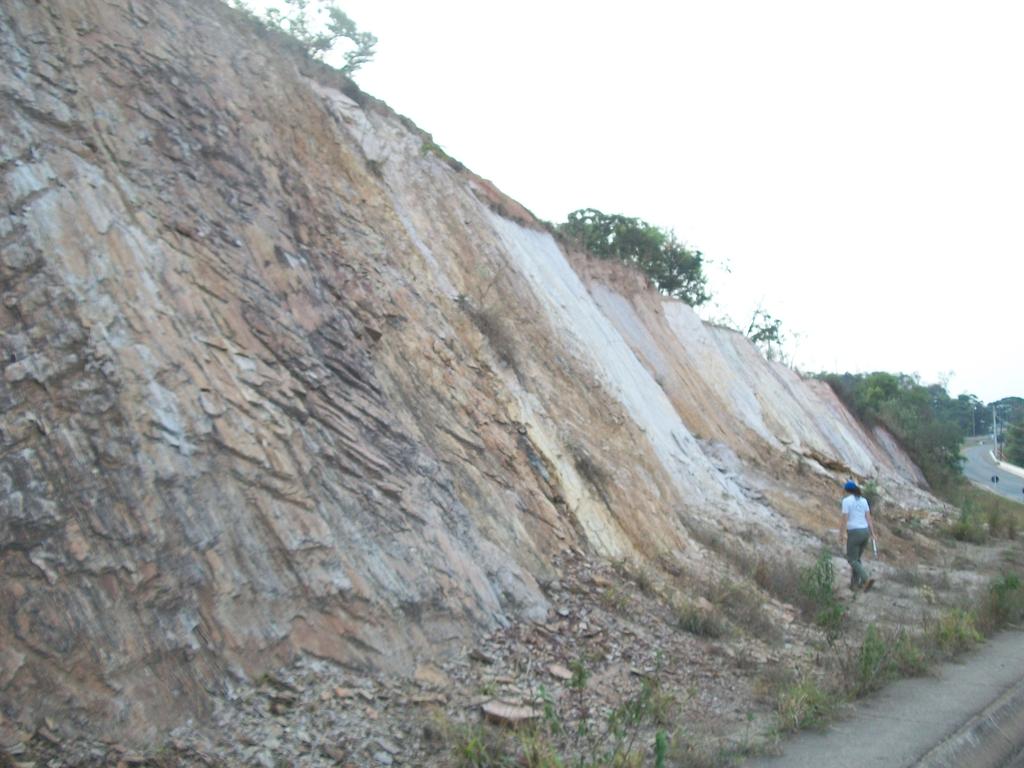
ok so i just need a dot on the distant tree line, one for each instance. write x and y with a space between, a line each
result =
930 424
924 419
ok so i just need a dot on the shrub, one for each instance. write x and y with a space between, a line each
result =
783 581
817 583
984 515
478 746
882 656
873 664
744 608
909 658
831 619
969 528
955 632
805 704
1002 604
699 621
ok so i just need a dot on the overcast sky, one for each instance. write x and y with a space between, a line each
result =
854 168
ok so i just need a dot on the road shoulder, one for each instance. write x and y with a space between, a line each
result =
970 712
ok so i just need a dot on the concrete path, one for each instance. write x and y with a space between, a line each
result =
969 714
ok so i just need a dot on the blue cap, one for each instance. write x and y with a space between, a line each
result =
850 486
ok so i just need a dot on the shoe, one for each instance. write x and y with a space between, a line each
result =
869 584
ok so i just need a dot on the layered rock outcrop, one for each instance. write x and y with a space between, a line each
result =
280 378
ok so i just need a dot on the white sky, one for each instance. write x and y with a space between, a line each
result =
857 166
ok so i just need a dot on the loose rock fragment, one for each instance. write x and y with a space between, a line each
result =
562 673
511 715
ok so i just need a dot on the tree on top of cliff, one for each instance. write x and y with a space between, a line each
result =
319 29
766 332
675 269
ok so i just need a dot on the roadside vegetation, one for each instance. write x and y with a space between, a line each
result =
647 728
919 416
931 426
810 699
1014 447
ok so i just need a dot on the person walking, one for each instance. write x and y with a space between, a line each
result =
855 530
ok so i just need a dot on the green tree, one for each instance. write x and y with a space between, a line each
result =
675 269
969 413
766 332
923 418
1013 448
318 27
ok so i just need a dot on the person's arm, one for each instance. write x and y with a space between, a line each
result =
842 530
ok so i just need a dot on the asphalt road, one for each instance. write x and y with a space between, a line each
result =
979 468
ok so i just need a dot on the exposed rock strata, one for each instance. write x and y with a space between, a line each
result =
279 378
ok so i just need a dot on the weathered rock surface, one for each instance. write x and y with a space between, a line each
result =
280 380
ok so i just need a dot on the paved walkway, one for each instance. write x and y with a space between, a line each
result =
969 714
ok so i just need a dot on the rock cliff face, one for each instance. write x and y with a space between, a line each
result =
280 378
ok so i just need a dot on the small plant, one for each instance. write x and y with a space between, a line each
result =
644 580
804 704
909 658
874 666
779 579
551 718
660 749
881 657
1002 604
955 632
984 516
831 619
699 621
638 574
614 598
744 608
694 754
817 583
649 706
536 752
478 747
969 528
1002 522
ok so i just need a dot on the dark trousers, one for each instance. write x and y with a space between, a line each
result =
856 540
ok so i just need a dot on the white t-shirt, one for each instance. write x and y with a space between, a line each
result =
855 508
